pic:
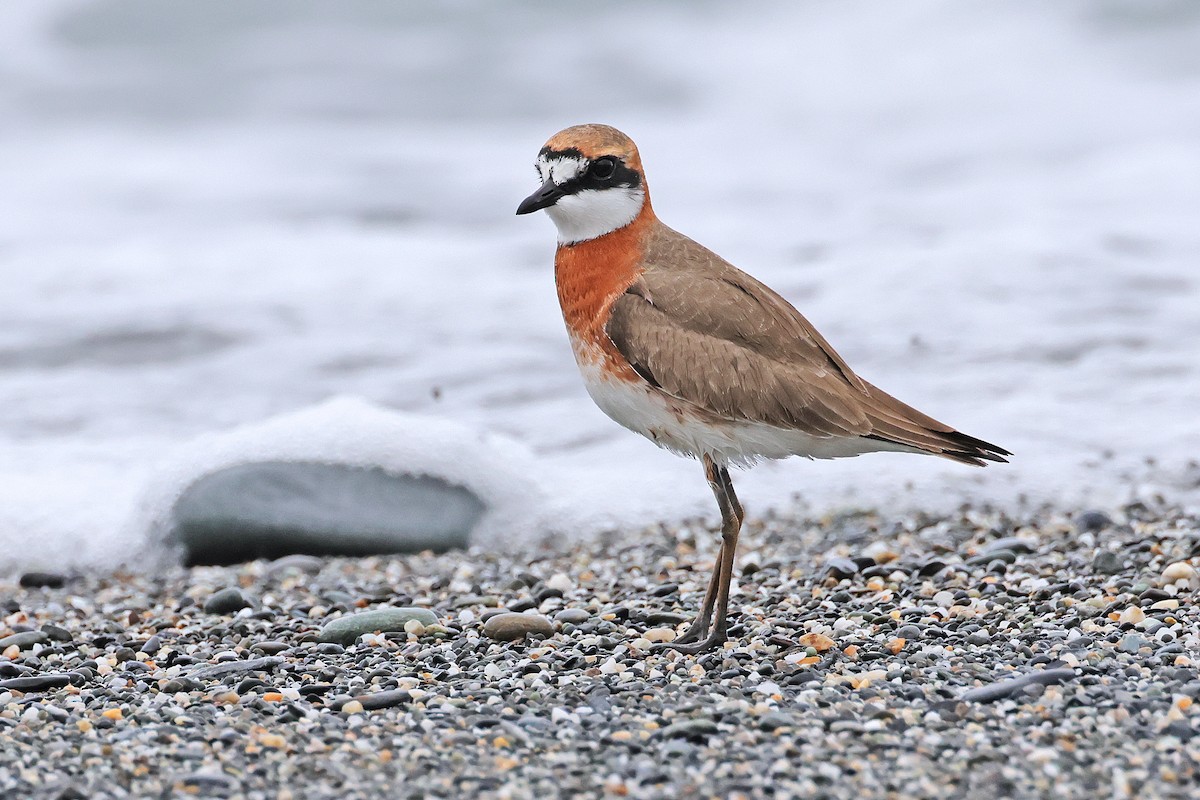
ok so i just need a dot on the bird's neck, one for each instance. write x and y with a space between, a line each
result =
592 274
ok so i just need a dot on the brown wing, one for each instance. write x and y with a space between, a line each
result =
705 332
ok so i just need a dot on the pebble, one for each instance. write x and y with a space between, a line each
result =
1106 562
226 601
839 568
1092 522
1009 686
1180 570
23 640
346 630
40 683
509 627
817 641
573 616
49 580
385 699
659 635
1132 643
697 730
266 663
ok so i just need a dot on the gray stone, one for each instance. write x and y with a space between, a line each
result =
384 699
1013 544
225 601
1092 521
1106 562
346 630
575 616
275 508
1131 643
266 663
511 626
40 683
691 729
24 640
57 633
1010 686
50 580
296 562
838 567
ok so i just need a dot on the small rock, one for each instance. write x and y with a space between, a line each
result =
1132 616
512 626
50 580
346 630
931 567
839 567
574 616
696 730
40 683
23 640
352 707
561 582
1180 570
56 633
1131 643
817 641
297 562
233 667
225 601
1092 521
1012 544
1010 686
658 635
385 699
1107 562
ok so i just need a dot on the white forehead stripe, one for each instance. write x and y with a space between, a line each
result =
560 169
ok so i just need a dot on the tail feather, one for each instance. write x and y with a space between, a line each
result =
898 423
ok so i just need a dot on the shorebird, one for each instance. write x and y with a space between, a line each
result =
677 344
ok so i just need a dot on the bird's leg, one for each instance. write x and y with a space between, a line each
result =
699 627
727 484
731 525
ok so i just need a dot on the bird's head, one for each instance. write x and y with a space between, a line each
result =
592 182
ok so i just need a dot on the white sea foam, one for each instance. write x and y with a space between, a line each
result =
348 431
210 222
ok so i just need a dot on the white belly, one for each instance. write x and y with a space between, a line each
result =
673 424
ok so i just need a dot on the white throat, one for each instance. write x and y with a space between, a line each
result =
592 213
589 213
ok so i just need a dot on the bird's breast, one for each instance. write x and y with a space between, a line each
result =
590 276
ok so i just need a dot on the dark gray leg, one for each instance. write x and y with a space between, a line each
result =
718 588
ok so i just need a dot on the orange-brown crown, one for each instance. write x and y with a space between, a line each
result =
593 141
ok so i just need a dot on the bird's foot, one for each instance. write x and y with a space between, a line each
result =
714 640
695 633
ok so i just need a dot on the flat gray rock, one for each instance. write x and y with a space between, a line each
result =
267 663
1010 686
346 630
276 508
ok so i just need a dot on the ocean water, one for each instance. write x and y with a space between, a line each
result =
214 214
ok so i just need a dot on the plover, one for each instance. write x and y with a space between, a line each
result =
677 344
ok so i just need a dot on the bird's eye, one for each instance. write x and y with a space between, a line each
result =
603 168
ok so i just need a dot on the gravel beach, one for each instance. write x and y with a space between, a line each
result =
1039 653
